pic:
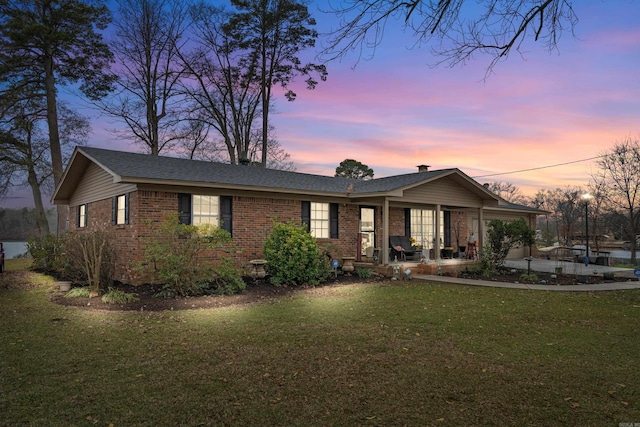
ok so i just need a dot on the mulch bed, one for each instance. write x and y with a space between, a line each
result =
542 278
257 291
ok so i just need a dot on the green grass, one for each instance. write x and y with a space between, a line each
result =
400 353
16 264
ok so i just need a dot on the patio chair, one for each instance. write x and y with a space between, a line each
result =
401 248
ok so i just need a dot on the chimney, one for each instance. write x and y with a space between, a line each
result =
423 168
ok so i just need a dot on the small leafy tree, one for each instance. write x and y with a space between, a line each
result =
503 236
293 257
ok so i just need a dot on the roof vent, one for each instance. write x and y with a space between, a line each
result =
423 168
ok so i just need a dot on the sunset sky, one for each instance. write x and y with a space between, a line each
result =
394 112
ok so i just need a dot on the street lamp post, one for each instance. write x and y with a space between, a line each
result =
586 197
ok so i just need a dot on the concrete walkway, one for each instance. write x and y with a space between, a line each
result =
628 279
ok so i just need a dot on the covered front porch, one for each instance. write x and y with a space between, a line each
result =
432 267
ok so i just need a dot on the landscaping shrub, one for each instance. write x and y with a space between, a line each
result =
227 278
80 292
86 257
364 273
173 256
502 237
89 257
293 257
116 296
44 250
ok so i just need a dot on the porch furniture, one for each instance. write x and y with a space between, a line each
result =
401 248
446 253
472 251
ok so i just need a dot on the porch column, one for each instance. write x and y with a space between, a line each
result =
384 255
436 246
480 230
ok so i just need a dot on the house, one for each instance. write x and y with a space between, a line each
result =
128 194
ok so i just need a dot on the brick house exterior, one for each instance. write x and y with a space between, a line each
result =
128 195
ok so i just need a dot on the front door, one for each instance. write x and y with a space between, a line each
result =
367 229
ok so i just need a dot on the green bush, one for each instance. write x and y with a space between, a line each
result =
293 257
44 250
227 279
364 273
502 237
116 296
173 253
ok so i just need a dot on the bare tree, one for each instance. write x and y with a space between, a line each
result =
222 82
618 177
568 207
508 191
543 200
147 38
458 28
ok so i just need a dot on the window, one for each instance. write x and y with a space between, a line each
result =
423 227
120 210
319 225
321 219
81 216
200 209
205 210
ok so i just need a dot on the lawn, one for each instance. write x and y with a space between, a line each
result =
397 353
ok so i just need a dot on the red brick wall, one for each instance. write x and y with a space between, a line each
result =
252 223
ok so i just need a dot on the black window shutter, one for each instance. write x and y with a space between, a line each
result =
306 215
114 210
333 220
407 222
78 216
86 215
447 228
184 208
226 213
126 208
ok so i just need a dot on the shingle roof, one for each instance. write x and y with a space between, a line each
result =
143 168
137 167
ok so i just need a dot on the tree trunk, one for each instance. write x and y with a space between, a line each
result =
41 217
54 134
52 120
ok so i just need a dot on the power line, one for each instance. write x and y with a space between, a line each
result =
539 168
